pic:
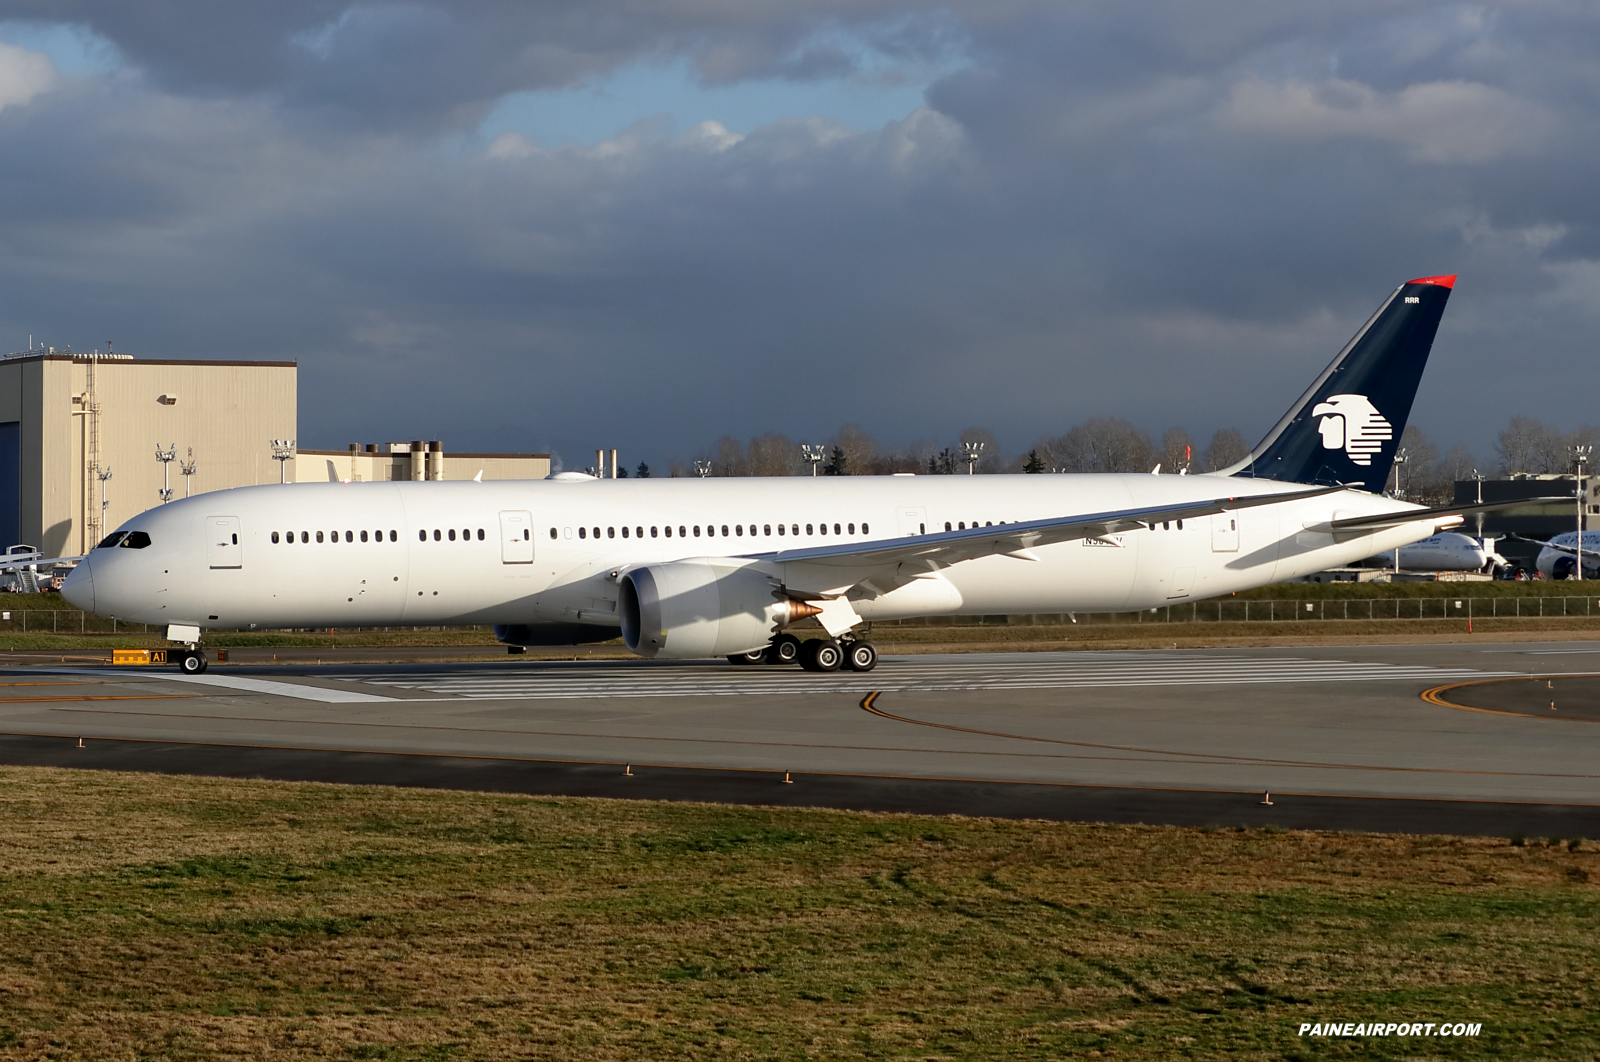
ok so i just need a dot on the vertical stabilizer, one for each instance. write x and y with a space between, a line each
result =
1346 428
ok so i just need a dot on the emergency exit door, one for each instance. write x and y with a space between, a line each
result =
1225 533
516 538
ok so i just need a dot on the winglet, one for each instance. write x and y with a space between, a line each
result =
479 477
1443 282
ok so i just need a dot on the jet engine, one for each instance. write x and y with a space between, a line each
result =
687 609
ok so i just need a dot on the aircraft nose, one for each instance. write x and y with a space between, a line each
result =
78 587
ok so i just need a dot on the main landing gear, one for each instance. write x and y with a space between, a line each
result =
818 654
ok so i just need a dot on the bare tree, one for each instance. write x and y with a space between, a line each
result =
677 470
773 454
1177 450
858 448
730 459
1101 445
1416 472
1227 448
1524 445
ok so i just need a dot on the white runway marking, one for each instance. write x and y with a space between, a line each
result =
279 689
1020 674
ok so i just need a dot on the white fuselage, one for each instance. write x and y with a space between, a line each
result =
549 551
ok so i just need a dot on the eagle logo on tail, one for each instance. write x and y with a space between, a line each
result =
1353 424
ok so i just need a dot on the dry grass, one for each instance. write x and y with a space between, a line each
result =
177 918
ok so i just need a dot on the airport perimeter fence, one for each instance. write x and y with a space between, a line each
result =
1234 610
1217 610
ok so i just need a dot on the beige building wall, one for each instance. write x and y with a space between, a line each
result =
222 415
321 466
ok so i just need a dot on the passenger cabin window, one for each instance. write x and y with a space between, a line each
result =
780 529
552 532
624 532
436 536
363 536
480 534
305 536
422 536
794 529
597 532
349 536
836 529
113 538
274 538
864 529
583 532
724 530
611 532
319 536
452 534
852 529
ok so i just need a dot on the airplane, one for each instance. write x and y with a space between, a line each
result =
705 568
1559 557
1445 552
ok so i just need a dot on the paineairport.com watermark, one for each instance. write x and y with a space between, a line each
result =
1391 1028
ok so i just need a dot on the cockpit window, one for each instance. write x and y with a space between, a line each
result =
111 539
136 540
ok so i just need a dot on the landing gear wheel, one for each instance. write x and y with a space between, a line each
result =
192 662
754 656
785 649
860 656
821 654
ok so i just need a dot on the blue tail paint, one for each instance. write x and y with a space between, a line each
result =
1346 428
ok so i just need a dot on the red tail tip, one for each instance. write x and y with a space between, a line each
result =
1443 282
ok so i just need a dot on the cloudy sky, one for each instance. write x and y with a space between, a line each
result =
562 225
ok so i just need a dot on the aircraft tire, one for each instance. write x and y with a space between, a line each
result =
785 649
821 654
754 656
860 656
192 662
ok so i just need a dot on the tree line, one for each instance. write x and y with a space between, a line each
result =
1527 446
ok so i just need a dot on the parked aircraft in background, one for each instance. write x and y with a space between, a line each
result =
1559 557
1445 552
733 567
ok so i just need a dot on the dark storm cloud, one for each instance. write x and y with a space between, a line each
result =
1166 213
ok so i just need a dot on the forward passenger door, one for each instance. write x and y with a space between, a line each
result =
223 548
516 538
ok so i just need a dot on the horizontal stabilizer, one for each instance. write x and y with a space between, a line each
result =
1414 516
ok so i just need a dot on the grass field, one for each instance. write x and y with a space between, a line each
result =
176 918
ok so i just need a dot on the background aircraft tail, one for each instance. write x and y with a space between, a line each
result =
1346 428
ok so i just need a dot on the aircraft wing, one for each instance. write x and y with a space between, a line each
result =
1412 516
886 563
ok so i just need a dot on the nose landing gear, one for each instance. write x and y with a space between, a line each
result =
190 661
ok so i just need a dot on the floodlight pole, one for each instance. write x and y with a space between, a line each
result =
1580 457
283 453
166 457
702 469
971 451
187 468
812 455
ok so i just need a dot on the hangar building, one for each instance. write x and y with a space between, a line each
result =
80 434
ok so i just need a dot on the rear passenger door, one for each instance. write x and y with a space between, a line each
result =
223 548
516 538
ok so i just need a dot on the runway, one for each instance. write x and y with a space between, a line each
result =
1178 734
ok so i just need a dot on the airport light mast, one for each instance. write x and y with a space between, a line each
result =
971 452
187 468
282 452
811 455
1580 458
166 457
702 469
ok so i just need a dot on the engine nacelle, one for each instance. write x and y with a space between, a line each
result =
687 609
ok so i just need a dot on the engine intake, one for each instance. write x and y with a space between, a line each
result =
688 609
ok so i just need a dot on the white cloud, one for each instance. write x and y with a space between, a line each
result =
1436 121
23 74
